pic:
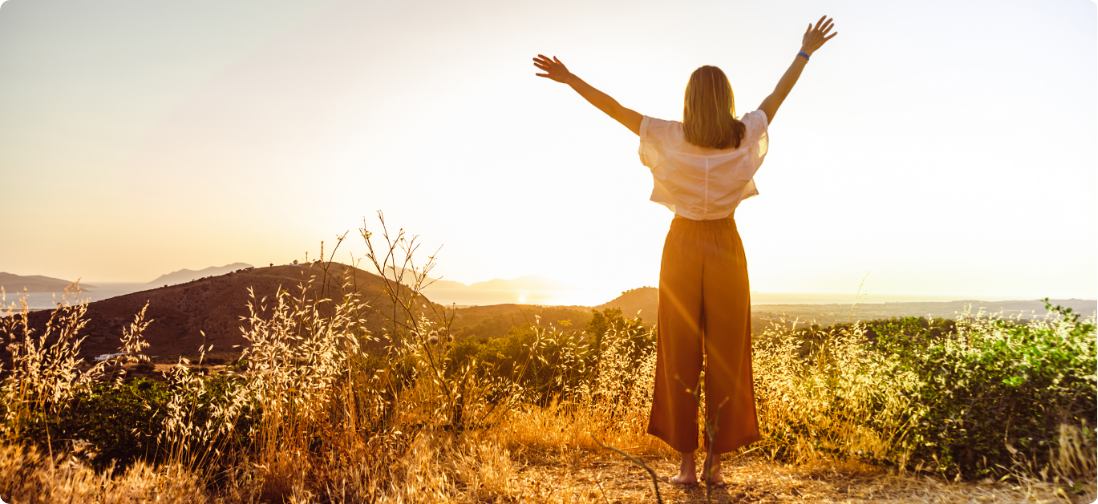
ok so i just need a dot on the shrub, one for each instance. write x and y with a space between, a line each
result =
975 397
996 396
109 424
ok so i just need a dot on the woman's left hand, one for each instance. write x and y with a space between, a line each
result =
553 68
815 37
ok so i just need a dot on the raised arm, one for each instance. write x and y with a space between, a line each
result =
813 39
556 70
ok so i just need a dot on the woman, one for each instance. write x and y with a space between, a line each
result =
702 168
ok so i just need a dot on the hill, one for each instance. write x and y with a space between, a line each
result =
186 275
215 305
641 302
493 321
35 283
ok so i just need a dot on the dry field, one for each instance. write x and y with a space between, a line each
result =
563 476
320 409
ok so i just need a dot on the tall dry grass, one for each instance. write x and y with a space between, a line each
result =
842 395
830 401
44 370
321 410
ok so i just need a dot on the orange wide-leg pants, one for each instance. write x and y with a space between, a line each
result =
704 303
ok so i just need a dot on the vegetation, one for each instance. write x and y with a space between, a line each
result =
975 397
318 409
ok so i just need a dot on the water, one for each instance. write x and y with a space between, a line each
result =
478 297
46 300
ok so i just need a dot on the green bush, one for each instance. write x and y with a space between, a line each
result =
991 394
123 423
109 423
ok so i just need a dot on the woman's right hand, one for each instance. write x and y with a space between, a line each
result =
553 68
815 37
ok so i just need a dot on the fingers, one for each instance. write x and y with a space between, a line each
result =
543 62
550 68
824 25
831 37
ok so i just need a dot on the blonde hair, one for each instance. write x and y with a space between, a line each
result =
709 111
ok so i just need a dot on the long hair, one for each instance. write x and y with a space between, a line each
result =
709 111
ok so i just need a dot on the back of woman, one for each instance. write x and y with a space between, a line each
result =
702 168
698 182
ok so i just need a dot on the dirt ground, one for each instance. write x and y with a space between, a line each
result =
610 480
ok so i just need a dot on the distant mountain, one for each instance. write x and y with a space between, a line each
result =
35 283
529 282
526 283
407 277
186 275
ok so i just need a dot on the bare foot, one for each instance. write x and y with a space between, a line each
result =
687 470
686 479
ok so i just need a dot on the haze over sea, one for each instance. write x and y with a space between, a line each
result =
570 297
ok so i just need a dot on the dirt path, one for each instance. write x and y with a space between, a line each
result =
610 481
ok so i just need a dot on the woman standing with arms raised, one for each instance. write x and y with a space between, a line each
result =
702 168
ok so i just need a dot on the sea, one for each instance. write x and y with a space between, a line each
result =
479 297
47 300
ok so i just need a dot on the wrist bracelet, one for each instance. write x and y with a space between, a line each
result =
803 54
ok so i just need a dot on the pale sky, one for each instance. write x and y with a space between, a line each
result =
939 147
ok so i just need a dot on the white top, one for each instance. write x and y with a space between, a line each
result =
696 182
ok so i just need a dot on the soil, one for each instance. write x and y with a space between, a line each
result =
603 479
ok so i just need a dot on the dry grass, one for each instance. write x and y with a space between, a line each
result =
340 415
28 476
447 468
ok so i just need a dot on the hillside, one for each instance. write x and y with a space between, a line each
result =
641 302
215 306
35 283
186 275
493 321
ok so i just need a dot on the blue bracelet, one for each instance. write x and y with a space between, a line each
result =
803 54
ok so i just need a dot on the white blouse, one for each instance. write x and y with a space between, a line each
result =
696 182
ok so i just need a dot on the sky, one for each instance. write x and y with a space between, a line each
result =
931 148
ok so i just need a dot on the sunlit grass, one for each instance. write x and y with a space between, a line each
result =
318 409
